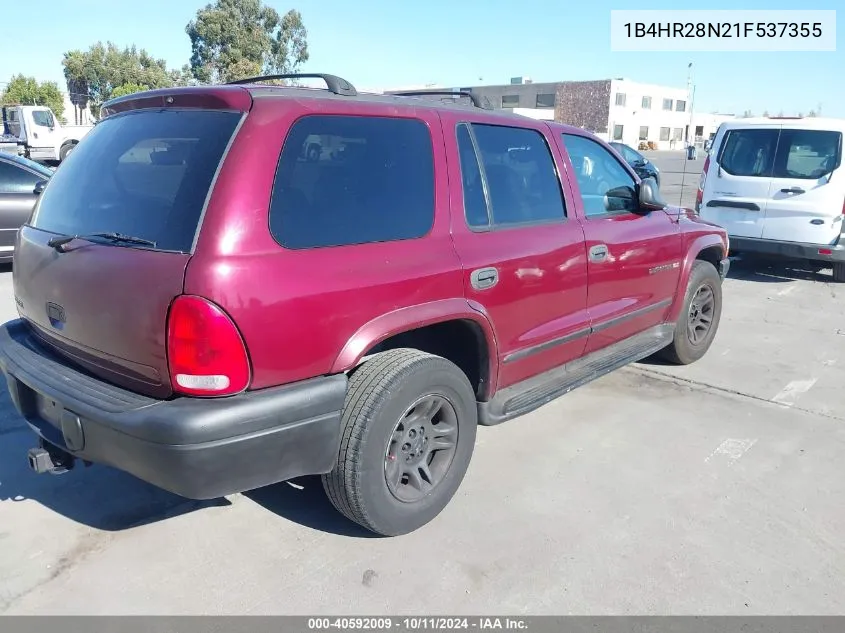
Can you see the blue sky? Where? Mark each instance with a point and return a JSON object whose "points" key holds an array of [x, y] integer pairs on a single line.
{"points": [[376, 43]]}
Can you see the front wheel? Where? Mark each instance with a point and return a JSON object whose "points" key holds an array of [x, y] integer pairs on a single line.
{"points": [[409, 426], [700, 315]]}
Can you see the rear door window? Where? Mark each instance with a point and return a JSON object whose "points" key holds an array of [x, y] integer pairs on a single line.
{"points": [[344, 180], [522, 185], [749, 152], [807, 154], [144, 173]]}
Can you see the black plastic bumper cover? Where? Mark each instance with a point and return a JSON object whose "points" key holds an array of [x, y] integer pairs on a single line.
{"points": [[790, 250], [197, 448], [724, 267]]}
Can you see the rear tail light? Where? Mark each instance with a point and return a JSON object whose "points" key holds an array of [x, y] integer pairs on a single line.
{"points": [[699, 195], [205, 352]]}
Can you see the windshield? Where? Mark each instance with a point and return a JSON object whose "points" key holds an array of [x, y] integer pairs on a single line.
{"points": [[144, 173]]}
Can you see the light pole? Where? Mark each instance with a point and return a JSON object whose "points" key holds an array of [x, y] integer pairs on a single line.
{"points": [[690, 97]]}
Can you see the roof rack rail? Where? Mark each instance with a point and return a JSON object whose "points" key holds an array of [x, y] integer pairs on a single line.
{"points": [[446, 93], [335, 84]]}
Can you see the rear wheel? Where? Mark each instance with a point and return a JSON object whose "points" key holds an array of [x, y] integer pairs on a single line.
{"points": [[702, 310], [409, 426], [839, 272]]}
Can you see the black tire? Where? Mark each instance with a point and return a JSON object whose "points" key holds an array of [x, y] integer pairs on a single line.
{"points": [[380, 392], [66, 149], [839, 272], [682, 350]]}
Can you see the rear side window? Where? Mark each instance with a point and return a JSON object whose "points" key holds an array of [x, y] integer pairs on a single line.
{"points": [[145, 173], [749, 152], [520, 184], [344, 180], [807, 154]]}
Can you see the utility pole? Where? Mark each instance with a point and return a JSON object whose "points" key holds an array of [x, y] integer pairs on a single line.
{"points": [[690, 98]]}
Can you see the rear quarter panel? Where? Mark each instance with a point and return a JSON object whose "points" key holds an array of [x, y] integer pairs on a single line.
{"points": [[304, 313]]}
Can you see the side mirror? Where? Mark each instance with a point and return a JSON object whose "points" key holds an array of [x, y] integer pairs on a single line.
{"points": [[39, 187], [649, 196]]}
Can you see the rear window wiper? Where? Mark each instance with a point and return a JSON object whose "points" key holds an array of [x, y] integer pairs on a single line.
{"points": [[60, 240]]}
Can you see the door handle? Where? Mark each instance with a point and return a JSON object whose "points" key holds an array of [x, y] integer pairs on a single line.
{"points": [[792, 190], [483, 278], [598, 253]]}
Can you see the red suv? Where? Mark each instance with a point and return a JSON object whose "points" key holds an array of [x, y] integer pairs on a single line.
{"points": [[230, 286]]}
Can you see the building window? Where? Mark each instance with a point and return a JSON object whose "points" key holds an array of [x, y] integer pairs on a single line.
{"points": [[620, 99], [664, 134], [680, 106], [679, 134], [510, 101], [667, 104], [644, 133], [617, 132], [699, 130], [546, 100], [646, 103]]}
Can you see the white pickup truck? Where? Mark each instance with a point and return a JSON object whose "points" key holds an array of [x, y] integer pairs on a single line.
{"points": [[40, 135]]}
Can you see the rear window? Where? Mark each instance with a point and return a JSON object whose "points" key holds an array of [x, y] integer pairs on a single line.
{"points": [[749, 152], [804, 154], [144, 173], [807, 154], [345, 180]]}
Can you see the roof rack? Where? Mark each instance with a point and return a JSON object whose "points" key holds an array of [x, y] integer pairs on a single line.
{"points": [[449, 93], [335, 84]]}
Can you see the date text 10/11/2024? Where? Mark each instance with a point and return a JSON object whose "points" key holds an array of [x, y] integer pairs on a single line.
{"points": [[416, 623]]}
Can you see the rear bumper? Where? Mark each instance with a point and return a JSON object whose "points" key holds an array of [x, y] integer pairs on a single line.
{"points": [[790, 250], [197, 448]]}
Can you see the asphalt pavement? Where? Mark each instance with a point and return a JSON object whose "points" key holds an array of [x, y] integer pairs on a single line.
{"points": [[715, 488]]}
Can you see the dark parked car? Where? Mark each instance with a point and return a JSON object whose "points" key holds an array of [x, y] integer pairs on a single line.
{"points": [[21, 181], [640, 164], [211, 304]]}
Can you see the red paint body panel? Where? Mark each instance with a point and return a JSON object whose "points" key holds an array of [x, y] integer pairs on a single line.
{"points": [[698, 235], [208, 97], [304, 313], [298, 309], [115, 302], [542, 290]]}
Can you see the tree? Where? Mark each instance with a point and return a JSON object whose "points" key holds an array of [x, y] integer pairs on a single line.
{"points": [[234, 39], [27, 91], [127, 89], [747, 114], [94, 74], [766, 113], [812, 114]]}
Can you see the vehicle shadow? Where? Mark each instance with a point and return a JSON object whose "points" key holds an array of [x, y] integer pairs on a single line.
{"points": [[772, 270], [99, 497], [303, 501], [108, 499]]}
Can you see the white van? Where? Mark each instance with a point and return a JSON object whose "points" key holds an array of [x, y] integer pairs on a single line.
{"points": [[778, 187]]}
